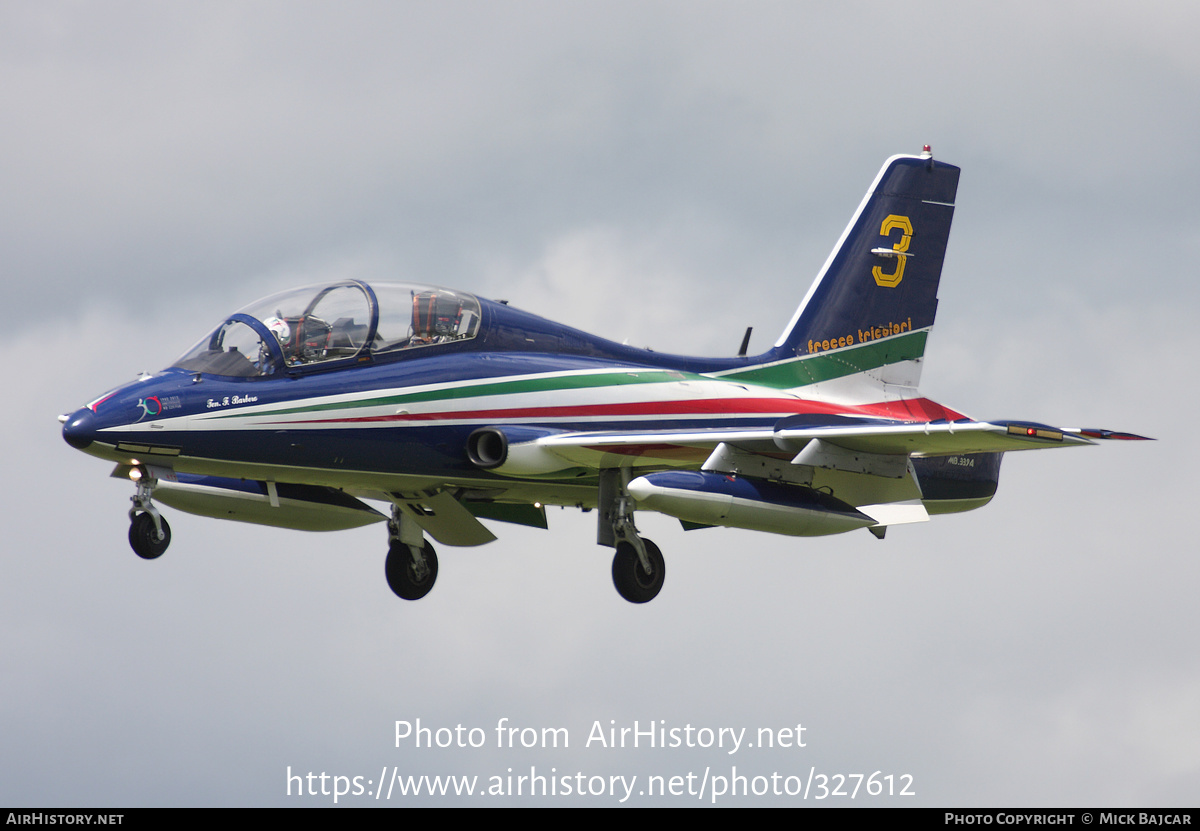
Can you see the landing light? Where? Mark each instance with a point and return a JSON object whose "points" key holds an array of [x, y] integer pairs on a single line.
{"points": [[135, 473]]}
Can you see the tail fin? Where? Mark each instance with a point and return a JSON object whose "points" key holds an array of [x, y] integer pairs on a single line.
{"points": [[875, 299]]}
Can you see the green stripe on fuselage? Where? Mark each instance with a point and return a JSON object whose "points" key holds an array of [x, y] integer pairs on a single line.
{"points": [[825, 366], [554, 383]]}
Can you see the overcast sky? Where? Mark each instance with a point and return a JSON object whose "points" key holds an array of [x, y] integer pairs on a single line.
{"points": [[667, 173]]}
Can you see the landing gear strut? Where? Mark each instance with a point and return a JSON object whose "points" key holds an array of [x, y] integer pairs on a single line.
{"points": [[149, 533], [412, 564], [638, 567]]}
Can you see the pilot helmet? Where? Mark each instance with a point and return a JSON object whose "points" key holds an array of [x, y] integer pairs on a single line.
{"points": [[280, 329]]}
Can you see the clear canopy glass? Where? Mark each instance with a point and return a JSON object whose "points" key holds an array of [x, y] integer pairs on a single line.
{"points": [[324, 324]]}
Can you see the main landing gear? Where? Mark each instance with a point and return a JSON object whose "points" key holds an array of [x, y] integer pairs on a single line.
{"points": [[412, 565], [638, 567], [149, 533], [638, 576]]}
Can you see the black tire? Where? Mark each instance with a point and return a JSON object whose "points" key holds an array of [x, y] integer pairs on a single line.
{"points": [[631, 580], [143, 537], [401, 573]]}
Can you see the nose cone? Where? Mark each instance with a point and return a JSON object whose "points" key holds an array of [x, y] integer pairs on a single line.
{"points": [[80, 429]]}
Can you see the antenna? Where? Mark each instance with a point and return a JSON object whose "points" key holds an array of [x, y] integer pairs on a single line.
{"points": [[745, 342]]}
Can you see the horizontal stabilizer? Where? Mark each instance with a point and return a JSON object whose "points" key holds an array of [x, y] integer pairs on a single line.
{"points": [[1095, 433], [933, 438]]}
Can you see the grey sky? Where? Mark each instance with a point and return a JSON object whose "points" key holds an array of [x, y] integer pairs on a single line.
{"points": [[668, 173]]}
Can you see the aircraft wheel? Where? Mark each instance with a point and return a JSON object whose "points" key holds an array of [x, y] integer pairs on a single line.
{"points": [[631, 580], [143, 537], [402, 574]]}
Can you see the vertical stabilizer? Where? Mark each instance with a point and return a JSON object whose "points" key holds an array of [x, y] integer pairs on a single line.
{"points": [[874, 301]]}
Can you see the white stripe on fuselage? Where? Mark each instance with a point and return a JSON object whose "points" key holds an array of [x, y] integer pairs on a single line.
{"points": [[674, 388]]}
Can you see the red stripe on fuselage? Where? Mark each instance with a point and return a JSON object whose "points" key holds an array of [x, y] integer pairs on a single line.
{"points": [[920, 409]]}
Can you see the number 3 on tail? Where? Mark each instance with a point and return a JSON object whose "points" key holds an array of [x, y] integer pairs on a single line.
{"points": [[891, 223]]}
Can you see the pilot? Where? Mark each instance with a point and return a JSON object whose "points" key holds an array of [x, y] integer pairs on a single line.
{"points": [[280, 329], [283, 333]]}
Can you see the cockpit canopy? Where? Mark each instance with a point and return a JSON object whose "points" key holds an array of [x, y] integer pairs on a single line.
{"points": [[326, 325]]}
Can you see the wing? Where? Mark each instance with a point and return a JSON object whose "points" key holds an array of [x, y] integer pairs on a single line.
{"points": [[870, 465], [880, 437]]}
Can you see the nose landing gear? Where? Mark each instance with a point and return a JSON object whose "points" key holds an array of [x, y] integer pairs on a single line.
{"points": [[149, 533], [411, 566], [411, 572]]}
